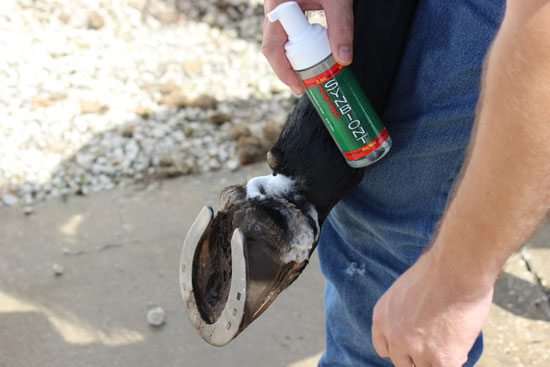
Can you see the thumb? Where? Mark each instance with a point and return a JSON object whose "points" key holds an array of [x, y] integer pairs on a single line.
{"points": [[339, 16]]}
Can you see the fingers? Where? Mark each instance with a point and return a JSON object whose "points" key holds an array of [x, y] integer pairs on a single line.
{"points": [[380, 343], [401, 359], [340, 29], [339, 16], [421, 363], [273, 43], [398, 358]]}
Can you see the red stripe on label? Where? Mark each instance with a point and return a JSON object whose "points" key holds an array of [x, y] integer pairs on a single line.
{"points": [[369, 147], [323, 77]]}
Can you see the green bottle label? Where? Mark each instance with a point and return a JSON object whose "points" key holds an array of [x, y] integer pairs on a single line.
{"points": [[346, 111]]}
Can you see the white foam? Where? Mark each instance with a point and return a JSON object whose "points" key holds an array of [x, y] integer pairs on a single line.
{"points": [[301, 244], [276, 186], [303, 239]]}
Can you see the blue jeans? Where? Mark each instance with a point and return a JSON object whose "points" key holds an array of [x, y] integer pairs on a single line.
{"points": [[378, 231]]}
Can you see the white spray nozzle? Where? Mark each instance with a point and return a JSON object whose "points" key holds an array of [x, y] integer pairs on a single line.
{"points": [[291, 17], [307, 43]]}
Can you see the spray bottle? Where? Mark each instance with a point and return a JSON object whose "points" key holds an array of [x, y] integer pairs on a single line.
{"points": [[332, 88]]}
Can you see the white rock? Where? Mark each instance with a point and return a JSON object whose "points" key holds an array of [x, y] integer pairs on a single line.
{"points": [[10, 199], [85, 160], [57, 270], [156, 316], [223, 155], [233, 165]]}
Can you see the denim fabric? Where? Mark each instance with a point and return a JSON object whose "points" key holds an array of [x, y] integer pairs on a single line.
{"points": [[375, 233]]}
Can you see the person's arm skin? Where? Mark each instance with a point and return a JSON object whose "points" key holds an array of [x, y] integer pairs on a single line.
{"points": [[339, 14], [433, 313]]}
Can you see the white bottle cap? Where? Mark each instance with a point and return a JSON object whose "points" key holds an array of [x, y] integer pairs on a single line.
{"points": [[307, 43]]}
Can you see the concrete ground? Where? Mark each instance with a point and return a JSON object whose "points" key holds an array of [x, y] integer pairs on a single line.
{"points": [[119, 252]]}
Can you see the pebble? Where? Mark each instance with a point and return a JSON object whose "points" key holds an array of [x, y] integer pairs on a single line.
{"points": [[166, 161], [188, 131], [92, 107], [95, 20], [57, 270], [205, 102], [270, 133], [156, 316], [175, 99], [169, 172], [219, 117], [237, 131], [233, 165], [28, 210], [46, 101], [142, 111], [250, 149], [64, 17], [95, 92], [127, 131]]}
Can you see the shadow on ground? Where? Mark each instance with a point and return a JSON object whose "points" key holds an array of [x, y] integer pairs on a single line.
{"points": [[119, 253], [522, 298]]}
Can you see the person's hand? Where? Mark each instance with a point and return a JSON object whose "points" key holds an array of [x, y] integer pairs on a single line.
{"points": [[339, 14], [425, 319]]}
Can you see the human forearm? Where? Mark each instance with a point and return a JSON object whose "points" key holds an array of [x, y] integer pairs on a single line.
{"points": [[505, 189]]}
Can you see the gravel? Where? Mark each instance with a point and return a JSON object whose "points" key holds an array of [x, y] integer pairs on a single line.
{"points": [[97, 94]]}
